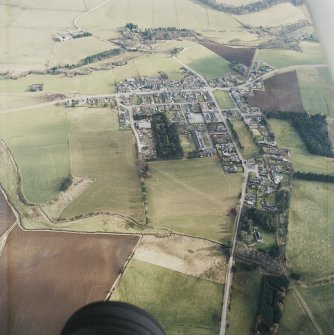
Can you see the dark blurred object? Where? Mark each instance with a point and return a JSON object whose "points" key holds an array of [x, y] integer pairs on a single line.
{"points": [[112, 318]]}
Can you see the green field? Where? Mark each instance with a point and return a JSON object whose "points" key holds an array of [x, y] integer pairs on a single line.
{"points": [[311, 54], [249, 148], [317, 90], [109, 157], [320, 300], [294, 320], [311, 232], [192, 197], [224, 100], [302, 160], [39, 142], [244, 302], [182, 304]]}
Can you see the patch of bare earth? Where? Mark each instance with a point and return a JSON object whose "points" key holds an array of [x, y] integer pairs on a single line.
{"points": [[7, 217]]}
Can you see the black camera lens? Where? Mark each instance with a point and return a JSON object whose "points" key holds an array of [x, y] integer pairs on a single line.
{"points": [[112, 318]]}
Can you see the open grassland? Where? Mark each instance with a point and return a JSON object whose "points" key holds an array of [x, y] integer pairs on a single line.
{"points": [[7, 217], [294, 320], [17, 100], [152, 14], [57, 267], [311, 230], [276, 16], [192, 197], [39, 142], [321, 303], [205, 62], [182, 304], [249, 148], [244, 302], [224, 100], [311, 53], [302, 160], [317, 90], [109, 158], [191, 256]]}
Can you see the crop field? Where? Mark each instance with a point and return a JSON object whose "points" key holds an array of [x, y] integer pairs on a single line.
{"points": [[224, 100], [236, 55], [281, 93], [39, 142], [287, 137], [311, 53], [109, 158], [317, 90], [7, 217], [294, 320], [193, 197], [311, 232], [57, 267], [168, 296], [249, 149], [244, 302], [321, 303], [187, 255]]}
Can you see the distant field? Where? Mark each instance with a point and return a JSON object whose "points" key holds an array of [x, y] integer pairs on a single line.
{"points": [[302, 160], [244, 302], [182, 304], [38, 139], [250, 149], [57, 267], [311, 54], [235, 3], [16, 100], [320, 301], [193, 197], [311, 232], [224, 100], [317, 90], [294, 320], [280, 15], [108, 157]]}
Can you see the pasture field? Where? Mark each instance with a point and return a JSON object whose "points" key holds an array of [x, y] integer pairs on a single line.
{"points": [[7, 217], [39, 142], [302, 160], [317, 90], [294, 320], [321, 303], [310, 54], [244, 302], [235, 3], [187, 255], [249, 149], [311, 232], [224, 100], [182, 304], [76, 268], [193, 197], [17, 100], [276, 16], [108, 157]]}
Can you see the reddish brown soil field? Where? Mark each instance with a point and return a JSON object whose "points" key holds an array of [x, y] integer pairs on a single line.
{"points": [[282, 94], [7, 217], [46, 276], [233, 55]]}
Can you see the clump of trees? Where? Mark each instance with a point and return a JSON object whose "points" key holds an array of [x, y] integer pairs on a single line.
{"points": [[312, 129], [258, 217], [82, 34], [66, 183], [270, 307], [101, 56], [282, 199], [166, 138]]}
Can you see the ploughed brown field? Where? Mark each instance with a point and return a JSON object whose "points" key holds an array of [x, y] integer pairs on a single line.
{"points": [[7, 217], [233, 55], [282, 94], [46, 276]]}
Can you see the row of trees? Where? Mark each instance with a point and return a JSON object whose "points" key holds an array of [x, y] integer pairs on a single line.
{"points": [[312, 129], [314, 177], [101, 56], [82, 34], [166, 138], [234, 133]]}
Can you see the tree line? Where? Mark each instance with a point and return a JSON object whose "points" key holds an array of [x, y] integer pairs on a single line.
{"points": [[313, 177], [166, 138], [312, 129], [101, 56]]}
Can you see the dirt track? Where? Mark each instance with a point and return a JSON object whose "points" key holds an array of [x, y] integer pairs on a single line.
{"points": [[46, 276]]}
